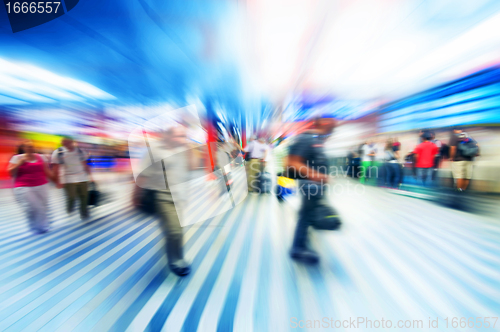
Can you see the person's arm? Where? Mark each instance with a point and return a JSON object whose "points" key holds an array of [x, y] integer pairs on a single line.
{"points": [[453, 146], [265, 154], [136, 194], [88, 170], [55, 168], [416, 154], [13, 167], [247, 147], [86, 166], [55, 174], [453, 151], [48, 172], [299, 166]]}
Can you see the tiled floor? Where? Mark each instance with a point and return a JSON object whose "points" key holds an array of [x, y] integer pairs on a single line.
{"points": [[396, 258]]}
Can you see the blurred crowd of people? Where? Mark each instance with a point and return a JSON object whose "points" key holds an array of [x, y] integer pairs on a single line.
{"points": [[67, 168], [381, 162], [169, 159]]}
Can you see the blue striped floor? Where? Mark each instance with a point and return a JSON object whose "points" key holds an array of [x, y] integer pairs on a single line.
{"points": [[396, 258]]}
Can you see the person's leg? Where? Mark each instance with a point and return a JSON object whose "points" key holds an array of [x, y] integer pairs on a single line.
{"points": [[40, 206], [465, 183], [300, 250], [436, 166], [83, 195], [424, 173], [262, 167], [388, 174], [249, 178], [70, 189], [363, 170], [468, 174], [31, 200], [372, 173], [420, 176], [459, 173], [430, 172], [379, 173], [255, 173], [361, 173], [251, 174], [397, 175], [300, 237], [169, 222], [401, 172], [24, 199]]}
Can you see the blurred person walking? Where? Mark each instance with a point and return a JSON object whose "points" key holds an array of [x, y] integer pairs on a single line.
{"points": [[396, 147], [257, 151], [352, 162], [379, 163], [285, 185], [425, 154], [437, 159], [463, 149], [154, 186], [30, 172], [224, 165], [368, 151], [307, 158], [75, 180], [392, 167]]}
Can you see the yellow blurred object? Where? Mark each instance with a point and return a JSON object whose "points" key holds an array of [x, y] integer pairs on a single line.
{"points": [[286, 182], [42, 140]]}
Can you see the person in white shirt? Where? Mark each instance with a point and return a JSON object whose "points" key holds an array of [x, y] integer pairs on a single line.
{"points": [[257, 150], [73, 162]]}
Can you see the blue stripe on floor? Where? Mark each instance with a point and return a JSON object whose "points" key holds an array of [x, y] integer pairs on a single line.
{"points": [[193, 317], [163, 312]]}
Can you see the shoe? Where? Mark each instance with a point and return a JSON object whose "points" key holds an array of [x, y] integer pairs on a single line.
{"points": [[306, 256], [180, 271]]}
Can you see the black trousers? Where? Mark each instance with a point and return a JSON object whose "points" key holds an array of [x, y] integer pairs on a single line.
{"points": [[309, 202]]}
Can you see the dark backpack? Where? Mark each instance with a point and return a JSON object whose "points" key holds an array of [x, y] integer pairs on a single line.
{"points": [[445, 151], [468, 148]]}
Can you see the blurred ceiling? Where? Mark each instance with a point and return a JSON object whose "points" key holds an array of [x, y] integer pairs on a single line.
{"points": [[242, 55]]}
